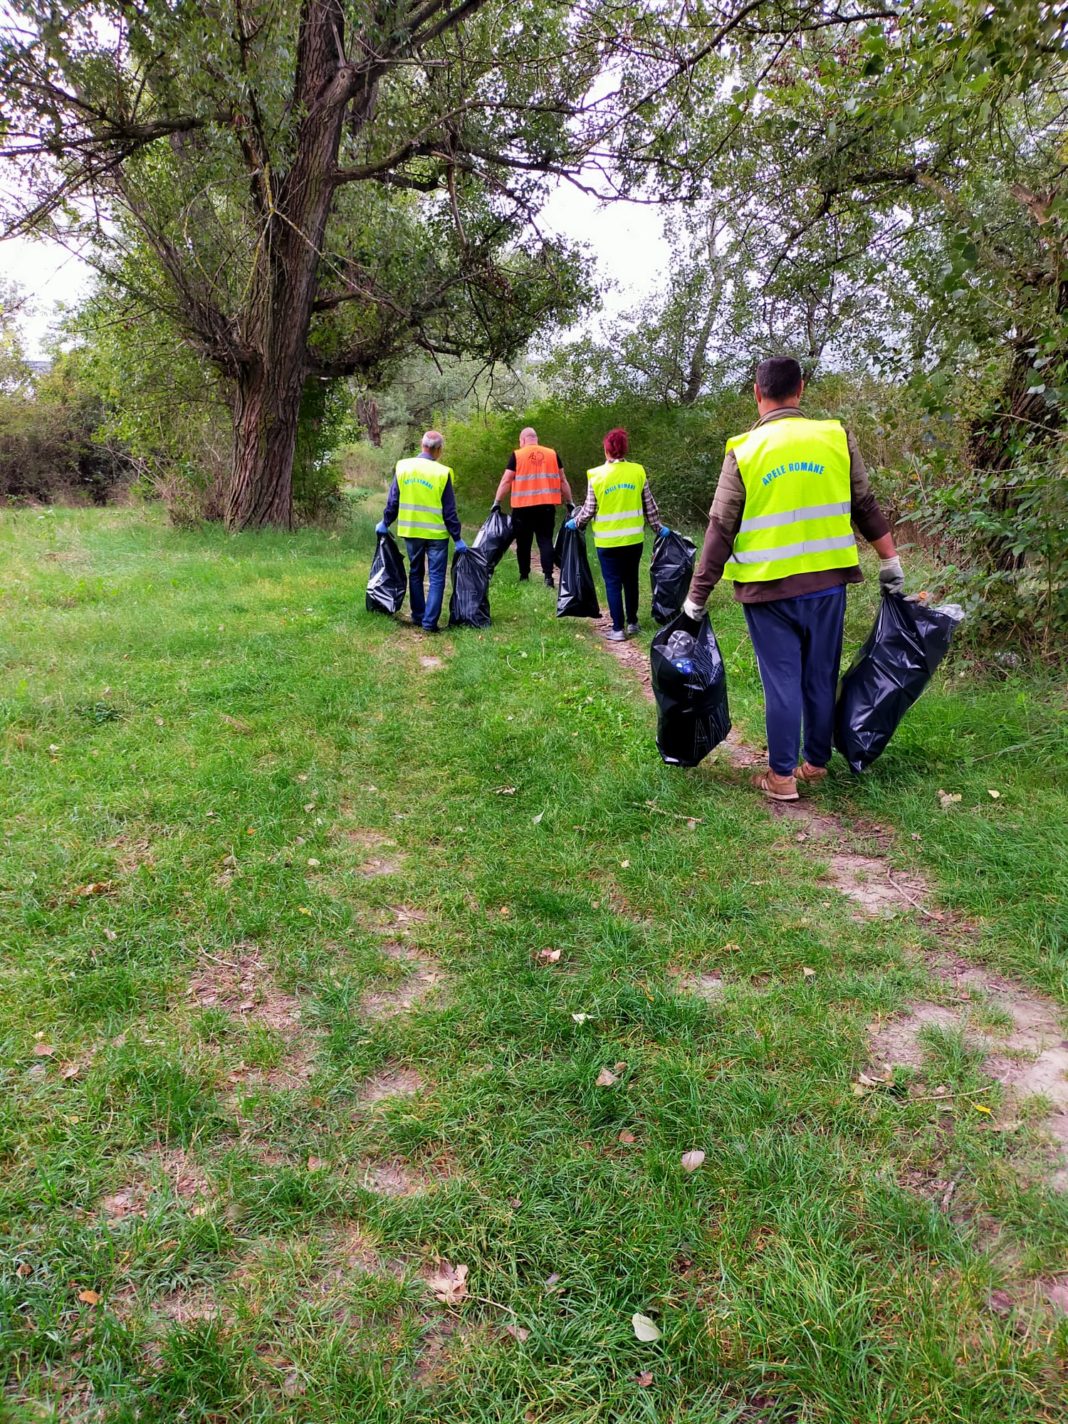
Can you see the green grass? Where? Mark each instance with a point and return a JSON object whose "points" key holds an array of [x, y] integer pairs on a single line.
{"points": [[187, 721]]}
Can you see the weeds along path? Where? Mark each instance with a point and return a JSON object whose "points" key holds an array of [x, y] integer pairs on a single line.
{"points": [[1018, 1037]]}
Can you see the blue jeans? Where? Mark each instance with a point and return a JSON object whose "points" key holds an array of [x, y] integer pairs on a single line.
{"points": [[619, 568], [434, 552], [798, 646]]}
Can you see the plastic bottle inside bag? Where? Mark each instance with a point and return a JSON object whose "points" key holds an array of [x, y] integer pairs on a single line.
{"points": [[679, 645]]}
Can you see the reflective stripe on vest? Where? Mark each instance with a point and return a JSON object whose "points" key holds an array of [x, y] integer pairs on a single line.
{"points": [[421, 484], [537, 477], [620, 517], [797, 500]]}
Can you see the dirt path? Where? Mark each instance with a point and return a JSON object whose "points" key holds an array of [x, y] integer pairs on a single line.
{"points": [[1027, 1056]]}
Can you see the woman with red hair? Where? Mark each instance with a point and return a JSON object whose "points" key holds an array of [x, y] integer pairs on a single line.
{"points": [[619, 501]]}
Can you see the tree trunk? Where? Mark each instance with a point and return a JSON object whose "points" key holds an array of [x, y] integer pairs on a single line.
{"points": [[283, 285]]}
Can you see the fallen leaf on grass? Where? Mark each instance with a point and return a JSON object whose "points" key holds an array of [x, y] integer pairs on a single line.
{"points": [[580, 1018], [644, 1328], [996, 795], [948, 798], [43, 1050], [982, 1108], [549, 956], [552, 1280], [314, 1164], [96, 887], [517, 1332], [110, 936], [23, 1270], [70, 1070], [449, 1283], [605, 1078], [537, 819], [504, 791], [692, 1160], [645, 1379], [807, 972], [90, 1297], [627, 1138], [235, 722], [313, 862], [625, 864]]}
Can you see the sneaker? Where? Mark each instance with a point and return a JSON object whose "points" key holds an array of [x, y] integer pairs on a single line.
{"points": [[549, 581], [633, 628], [615, 635], [807, 772], [776, 787]]}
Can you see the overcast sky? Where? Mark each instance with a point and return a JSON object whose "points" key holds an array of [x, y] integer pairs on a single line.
{"points": [[625, 238]]}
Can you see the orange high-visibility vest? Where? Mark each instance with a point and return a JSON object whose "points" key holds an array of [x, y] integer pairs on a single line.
{"points": [[537, 477]]}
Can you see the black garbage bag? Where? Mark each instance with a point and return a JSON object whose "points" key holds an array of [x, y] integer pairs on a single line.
{"points": [[893, 667], [494, 537], [577, 596], [469, 605], [388, 581], [669, 574], [690, 684]]}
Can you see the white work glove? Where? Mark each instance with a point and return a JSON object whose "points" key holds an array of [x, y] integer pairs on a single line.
{"points": [[692, 611], [891, 575]]}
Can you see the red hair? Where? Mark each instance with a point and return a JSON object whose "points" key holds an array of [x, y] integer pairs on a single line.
{"points": [[616, 443]]}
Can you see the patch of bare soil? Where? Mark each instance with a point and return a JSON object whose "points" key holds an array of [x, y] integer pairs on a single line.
{"points": [[379, 865], [706, 986], [391, 1083], [429, 662], [445, 1342], [183, 1177], [393, 1178], [242, 985], [424, 980]]}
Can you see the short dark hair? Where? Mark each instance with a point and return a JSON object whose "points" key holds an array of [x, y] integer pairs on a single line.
{"points": [[779, 377]]}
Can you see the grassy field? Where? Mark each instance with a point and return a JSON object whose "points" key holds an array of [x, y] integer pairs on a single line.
{"points": [[317, 936]]}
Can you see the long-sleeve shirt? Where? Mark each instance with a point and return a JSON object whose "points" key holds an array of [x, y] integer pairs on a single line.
{"points": [[448, 505], [583, 516], [725, 518]]}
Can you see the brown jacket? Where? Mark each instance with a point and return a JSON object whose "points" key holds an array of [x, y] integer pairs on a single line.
{"points": [[725, 518]]}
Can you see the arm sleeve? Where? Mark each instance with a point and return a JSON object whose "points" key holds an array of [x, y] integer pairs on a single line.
{"points": [[864, 507], [448, 510], [511, 463], [583, 516], [392, 503], [652, 513], [724, 520]]}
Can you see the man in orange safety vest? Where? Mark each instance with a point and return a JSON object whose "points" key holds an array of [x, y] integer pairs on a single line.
{"points": [[535, 481]]}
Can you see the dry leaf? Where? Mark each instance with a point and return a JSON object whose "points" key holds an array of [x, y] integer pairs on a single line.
{"points": [[580, 1018], [43, 1050], [248, 1004], [110, 936], [605, 1078], [995, 794], [303, 910], [982, 1108], [309, 806], [644, 1328], [313, 862], [645, 1379], [517, 1332], [551, 1281], [948, 798], [808, 973], [731, 949], [96, 887], [692, 1160], [23, 1270], [625, 864], [549, 956], [626, 1138], [620, 1067], [70, 1070], [537, 819], [314, 1164], [505, 911], [449, 1283], [505, 791], [90, 1297], [235, 722]]}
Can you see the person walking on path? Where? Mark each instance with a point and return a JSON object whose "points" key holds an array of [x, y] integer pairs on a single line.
{"points": [[619, 501], [780, 529], [535, 482], [423, 501]]}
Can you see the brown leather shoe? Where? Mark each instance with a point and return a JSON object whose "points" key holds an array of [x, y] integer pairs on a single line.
{"points": [[775, 787], [807, 772]]}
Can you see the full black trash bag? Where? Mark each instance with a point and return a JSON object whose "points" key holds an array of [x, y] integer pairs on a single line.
{"points": [[577, 596], [690, 684], [494, 537], [388, 581], [893, 667], [469, 605], [669, 574]]}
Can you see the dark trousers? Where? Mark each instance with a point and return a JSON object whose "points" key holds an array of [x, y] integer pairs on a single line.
{"points": [[619, 568], [534, 521], [435, 552], [798, 646]]}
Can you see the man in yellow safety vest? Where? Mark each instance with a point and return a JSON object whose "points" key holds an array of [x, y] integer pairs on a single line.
{"points": [[423, 501], [781, 529]]}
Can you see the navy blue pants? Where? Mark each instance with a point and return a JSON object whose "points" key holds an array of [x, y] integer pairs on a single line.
{"points": [[426, 608], [798, 646], [619, 568]]}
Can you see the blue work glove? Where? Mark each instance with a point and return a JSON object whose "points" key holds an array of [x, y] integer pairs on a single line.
{"points": [[461, 547], [570, 524], [662, 531], [381, 527]]}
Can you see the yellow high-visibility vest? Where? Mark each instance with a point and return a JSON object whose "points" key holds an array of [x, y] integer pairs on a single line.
{"points": [[620, 519], [421, 484], [797, 500]]}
